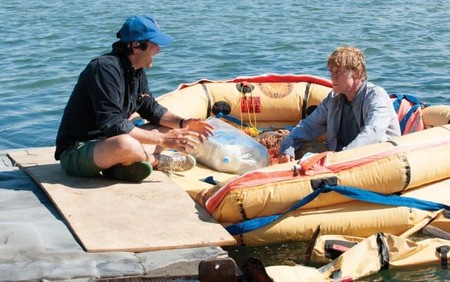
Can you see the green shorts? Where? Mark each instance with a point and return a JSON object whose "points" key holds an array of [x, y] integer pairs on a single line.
{"points": [[78, 160]]}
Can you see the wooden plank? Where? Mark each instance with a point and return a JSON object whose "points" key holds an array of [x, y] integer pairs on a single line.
{"points": [[106, 215]]}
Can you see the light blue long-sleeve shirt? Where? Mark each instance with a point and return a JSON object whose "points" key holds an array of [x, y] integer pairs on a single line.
{"points": [[375, 115]]}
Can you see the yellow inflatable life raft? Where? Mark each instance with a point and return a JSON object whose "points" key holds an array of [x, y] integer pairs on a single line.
{"points": [[416, 161]]}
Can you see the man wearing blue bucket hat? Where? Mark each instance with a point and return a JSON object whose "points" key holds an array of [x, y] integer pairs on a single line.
{"points": [[96, 134], [143, 28]]}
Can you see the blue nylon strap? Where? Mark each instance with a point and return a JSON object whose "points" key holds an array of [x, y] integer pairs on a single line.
{"points": [[412, 99], [351, 192], [251, 224], [258, 222], [390, 200], [396, 103], [399, 97], [406, 117]]}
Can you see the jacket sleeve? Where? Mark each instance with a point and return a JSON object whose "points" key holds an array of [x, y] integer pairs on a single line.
{"points": [[307, 129], [151, 110], [148, 107]]}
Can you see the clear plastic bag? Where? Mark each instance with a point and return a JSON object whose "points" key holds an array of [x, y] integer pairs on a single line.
{"points": [[231, 150]]}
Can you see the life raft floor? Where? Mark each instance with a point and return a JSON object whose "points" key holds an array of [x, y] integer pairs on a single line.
{"points": [[106, 215]]}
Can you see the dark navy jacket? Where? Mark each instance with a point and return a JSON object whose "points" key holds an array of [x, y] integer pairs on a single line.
{"points": [[108, 91]]}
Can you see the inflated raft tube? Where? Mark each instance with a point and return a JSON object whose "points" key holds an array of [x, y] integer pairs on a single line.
{"points": [[355, 218], [390, 167], [436, 115], [378, 252], [272, 100]]}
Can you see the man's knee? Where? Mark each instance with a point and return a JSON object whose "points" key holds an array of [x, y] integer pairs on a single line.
{"points": [[120, 149], [122, 143]]}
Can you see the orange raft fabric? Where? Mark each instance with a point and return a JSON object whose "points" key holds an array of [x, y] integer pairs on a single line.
{"points": [[407, 162]]}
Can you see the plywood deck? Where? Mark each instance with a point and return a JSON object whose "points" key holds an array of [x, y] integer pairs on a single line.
{"points": [[106, 215]]}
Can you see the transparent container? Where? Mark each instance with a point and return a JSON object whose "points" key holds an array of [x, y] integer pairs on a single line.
{"points": [[231, 150]]}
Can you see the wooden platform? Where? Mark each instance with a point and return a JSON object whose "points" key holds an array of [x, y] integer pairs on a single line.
{"points": [[106, 215]]}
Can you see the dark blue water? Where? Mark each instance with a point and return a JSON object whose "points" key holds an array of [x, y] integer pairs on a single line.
{"points": [[45, 44]]}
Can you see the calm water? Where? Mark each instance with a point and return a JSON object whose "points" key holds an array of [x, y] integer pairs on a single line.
{"points": [[45, 44]]}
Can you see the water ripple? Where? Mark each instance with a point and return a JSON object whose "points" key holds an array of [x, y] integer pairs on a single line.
{"points": [[406, 45]]}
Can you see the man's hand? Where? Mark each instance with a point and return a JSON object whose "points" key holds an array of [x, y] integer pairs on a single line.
{"points": [[199, 126], [180, 139], [285, 158]]}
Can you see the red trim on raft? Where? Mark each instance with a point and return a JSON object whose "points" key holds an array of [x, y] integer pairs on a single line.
{"points": [[253, 178], [267, 78]]}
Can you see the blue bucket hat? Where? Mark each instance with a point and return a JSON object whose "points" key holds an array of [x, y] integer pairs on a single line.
{"points": [[142, 28]]}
